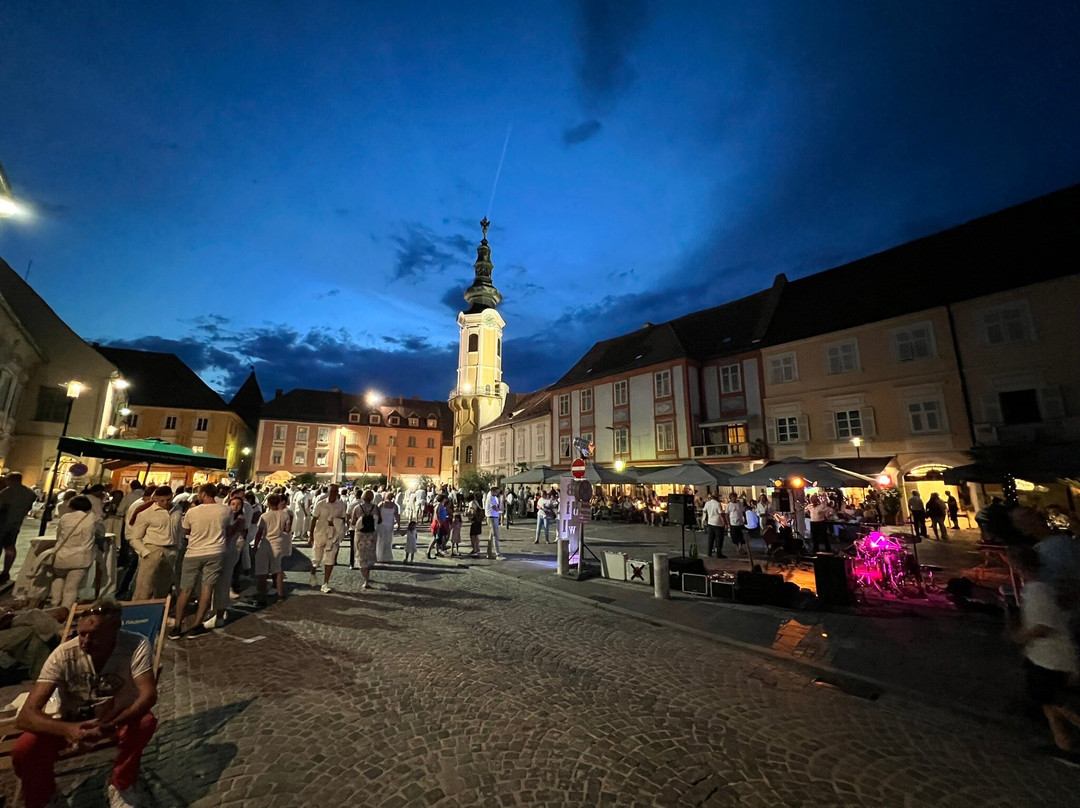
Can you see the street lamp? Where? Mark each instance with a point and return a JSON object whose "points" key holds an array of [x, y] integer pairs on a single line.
{"points": [[373, 399], [72, 392], [619, 465], [857, 442]]}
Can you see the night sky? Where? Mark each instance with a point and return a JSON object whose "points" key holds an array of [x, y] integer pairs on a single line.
{"points": [[298, 185]]}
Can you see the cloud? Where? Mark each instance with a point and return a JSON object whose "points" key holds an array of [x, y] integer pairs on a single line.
{"points": [[319, 358], [453, 299], [607, 30], [330, 293], [421, 251], [582, 132]]}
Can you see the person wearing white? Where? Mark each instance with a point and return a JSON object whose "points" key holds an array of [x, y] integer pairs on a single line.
{"points": [[155, 537], [714, 525], [327, 530], [272, 544], [76, 532], [206, 525], [301, 505], [545, 512], [736, 518], [390, 518], [493, 511]]}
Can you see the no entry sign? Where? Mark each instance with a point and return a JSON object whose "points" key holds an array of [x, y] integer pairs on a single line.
{"points": [[577, 468]]}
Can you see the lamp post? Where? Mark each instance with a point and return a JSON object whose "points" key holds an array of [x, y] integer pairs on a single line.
{"points": [[857, 443], [373, 400], [72, 392], [246, 452]]}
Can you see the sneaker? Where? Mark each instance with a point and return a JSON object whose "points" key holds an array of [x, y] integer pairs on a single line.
{"points": [[175, 633], [499, 557], [118, 798], [325, 588], [213, 622], [234, 595], [314, 581], [199, 631]]}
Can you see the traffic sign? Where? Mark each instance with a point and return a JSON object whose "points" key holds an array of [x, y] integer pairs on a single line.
{"points": [[577, 469]]}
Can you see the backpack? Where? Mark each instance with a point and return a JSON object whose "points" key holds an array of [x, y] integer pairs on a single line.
{"points": [[367, 521]]}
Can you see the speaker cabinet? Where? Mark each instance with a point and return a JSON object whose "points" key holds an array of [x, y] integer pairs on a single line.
{"points": [[680, 510]]}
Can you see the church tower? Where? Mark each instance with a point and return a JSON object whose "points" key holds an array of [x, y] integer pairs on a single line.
{"points": [[479, 395]]}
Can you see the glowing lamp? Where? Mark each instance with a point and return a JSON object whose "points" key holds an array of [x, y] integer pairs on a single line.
{"points": [[884, 480], [9, 207], [797, 482], [124, 412], [778, 483], [74, 388], [619, 465], [121, 384], [245, 451]]}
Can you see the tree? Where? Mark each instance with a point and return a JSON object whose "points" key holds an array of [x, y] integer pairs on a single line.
{"points": [[477, 481]]}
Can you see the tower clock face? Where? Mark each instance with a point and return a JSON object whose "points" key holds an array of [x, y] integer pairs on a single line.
{"points": [[489, 319]]}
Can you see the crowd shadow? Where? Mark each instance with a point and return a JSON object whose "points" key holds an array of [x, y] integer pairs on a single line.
{"points": [[179, 766]]}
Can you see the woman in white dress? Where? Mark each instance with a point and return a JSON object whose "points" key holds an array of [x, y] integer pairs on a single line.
{"points": [[384, 548], [76, 534]]}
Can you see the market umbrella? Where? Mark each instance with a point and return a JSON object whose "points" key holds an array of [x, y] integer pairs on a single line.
{"points": [[692, 472], [534, 476], [814, 472], [603, 475]]}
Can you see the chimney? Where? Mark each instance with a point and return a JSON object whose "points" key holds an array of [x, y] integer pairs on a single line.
{"points": [[277, 393], [768, 309]]}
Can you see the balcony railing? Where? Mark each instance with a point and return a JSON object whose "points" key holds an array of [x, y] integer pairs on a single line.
{"points": [[721, 450]]}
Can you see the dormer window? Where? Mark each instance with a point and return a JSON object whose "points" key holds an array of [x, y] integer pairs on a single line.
{"points": [[414, 422], [432, 423], [393, 420], [374, 418], [354, 417]]}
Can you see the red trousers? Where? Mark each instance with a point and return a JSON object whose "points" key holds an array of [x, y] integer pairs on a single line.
{"points": [[34, 759]]}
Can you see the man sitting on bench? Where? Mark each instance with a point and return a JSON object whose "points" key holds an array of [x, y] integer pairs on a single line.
{"points": [[105, 678]]}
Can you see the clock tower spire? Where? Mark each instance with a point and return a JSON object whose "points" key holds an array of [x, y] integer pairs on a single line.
{"points": [[479, 395]]}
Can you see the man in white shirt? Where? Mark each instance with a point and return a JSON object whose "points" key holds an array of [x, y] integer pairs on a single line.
{"points": [[713, 512], [106, 684], [493, 511], [327, 530], [545, 513], [301, 508], [736, 518], [155, 537], [821, 514], [205, 525]]}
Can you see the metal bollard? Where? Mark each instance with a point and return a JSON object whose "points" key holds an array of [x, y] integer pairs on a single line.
{"points": [[661, 576], [564, 558]]}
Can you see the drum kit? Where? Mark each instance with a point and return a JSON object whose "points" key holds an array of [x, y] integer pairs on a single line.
{"points": [[884, 564]]}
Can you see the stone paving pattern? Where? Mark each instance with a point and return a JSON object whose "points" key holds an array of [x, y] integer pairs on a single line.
{"points": [[443, 686]]}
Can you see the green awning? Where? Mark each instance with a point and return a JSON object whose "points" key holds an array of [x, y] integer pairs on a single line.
{"points": [[142, 450]]}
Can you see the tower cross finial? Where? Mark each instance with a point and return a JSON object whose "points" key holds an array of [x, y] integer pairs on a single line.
{"points": [[484, 225]]}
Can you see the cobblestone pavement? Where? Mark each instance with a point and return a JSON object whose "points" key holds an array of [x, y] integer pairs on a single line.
{"points": [[442, 686]]}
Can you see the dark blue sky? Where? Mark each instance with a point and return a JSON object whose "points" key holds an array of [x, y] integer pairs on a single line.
{"points": [[298, 185]]}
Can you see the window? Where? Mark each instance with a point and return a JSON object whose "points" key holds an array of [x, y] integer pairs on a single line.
{"points": [[374, 418], [410, 461], [843, 357], [324, 434], [502, 446], [170, 422], [429, 463], [564, 404], [411, 442], [322, 458], [587, 437], [431, 443], [782, 369], [350, 461], [301, 434], [474, 343], [665, 437], [468, 454], [52, 405], [848, 424], [133, 419], [734, 434], [485, 449], [498, 348], [354, 417], [281, 431], [372, 439], [541, 442], [787, 430], [519, 445], [414, 422], [198, 449], [914, 342], [730, 379], [586, 400], [662, 382], [621, 393], [622, 440], [1006, 325], [370, 460], [564, 446], [393, 420], [924, 416], [300, 457], [432, 423], [277, 457], [201, 424], [1020, 407]]}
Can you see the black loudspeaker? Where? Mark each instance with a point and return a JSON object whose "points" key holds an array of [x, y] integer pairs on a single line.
{"points": [[832, 580], [760, 588], [680, 510], [781, 501], [678, 566]]}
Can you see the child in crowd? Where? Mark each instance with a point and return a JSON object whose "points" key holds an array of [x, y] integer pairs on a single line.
{"points": [[455, 534], [410, 543]]}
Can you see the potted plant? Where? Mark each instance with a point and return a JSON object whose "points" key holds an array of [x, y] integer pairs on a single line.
{"points": [[890, 505]]}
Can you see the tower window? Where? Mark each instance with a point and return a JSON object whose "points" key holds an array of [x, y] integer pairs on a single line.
{"points": [[474, 343], [498, 348], [468, 454]]}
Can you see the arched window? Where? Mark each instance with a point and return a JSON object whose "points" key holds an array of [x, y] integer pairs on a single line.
{"points": [[468, 454], [498, 348], [487, 389], [474, 343]]}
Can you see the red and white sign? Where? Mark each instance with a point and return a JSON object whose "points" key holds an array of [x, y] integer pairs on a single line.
{"points": [[577, 468]]}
